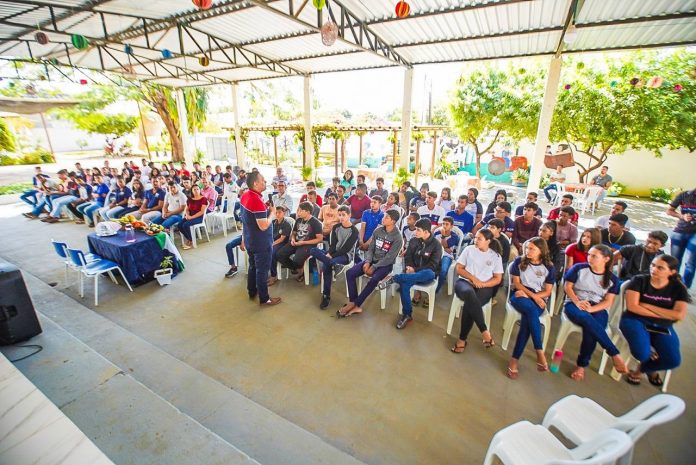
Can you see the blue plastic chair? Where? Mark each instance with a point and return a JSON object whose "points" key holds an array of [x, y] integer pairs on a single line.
{"points": [[94, 269], [61, 251]]}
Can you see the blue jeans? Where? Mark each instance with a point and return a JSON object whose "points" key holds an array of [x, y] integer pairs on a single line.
{"points": [[551, 187], [327, 267], [445, 264], [259, 265], [89, 211], [229, 248], [354, 274], [529, 324], [406, 281], [641, 343], [29, 197], [169, 222], [684, 250], [593, 331], [61, 202], [125, 211], [185, 226]]}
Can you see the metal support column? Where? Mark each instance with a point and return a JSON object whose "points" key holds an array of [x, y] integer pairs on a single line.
{"points": [[406, 119]]}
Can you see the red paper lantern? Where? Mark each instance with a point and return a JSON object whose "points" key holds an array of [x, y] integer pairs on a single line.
{"points": [[402, 9], [41, 38], [83, 82], [678, 88], [329, 33], [203, 4]]}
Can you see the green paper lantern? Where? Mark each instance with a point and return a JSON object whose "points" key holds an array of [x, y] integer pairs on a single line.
{"points": [[80, 42], [319, 4], [54, 61], [613, 83], [580, 65]]}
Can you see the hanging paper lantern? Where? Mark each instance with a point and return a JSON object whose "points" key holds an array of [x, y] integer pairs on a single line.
{"points": [[11, 84], [80, 42], [166, 53], [329, 33], [319, 4], [41, 38], [580, 65], [566, 87], [640, 83], [655, 82], [54, 61], [402, 9], [678, 87], [203, 4], [614, 83], [128, 49], [42, 77], [521, 71], [83, 82], [634, 81], [204, 61]]}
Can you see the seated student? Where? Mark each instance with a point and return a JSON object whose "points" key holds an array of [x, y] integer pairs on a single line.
{"points": [[30, 196], [604, 181], [408, 231], [282, 231], [473, 206], [379, 190], [421, 263], [418, 201], [533, 278], [566, 231], [615, 236], [193, 215], [151, 207], [335, 182], [566, 201], [635, 259], [358, 203], [360, 179], [378, 263], [619, 207], [461, 217], [312, 187], [496, 226], [120, 196], [186, 185], [370, 220], [99, 193], [135, 201], [449, 240], [500, 196], [430, 210], [406, 194], [173, 207], [590, 291], [556, 178], [526, 226], [328, 215], [577, 251], [341, 193], [305, 234], [445, 201], [209, 192], [392, 203], [348, 182], [278, 178], [311, 198], [342, 239], [502, 212], [85, 196], [654, 302], [531, 198], [71, 193], [480, 271]]}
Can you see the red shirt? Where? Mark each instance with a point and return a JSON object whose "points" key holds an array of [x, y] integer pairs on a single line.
{"points": [[553, 215], [577, 255], [304, 199], [358, 206], [194, 206]]}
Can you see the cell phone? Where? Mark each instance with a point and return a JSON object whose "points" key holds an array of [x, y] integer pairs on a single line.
{"points": [[658, 330]]}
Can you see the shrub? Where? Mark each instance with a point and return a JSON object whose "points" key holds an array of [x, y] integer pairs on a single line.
{"points": [[7, 160], [664, 194]]}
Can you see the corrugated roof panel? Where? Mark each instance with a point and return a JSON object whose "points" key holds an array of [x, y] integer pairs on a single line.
{"points": [[92, 27], [193, 65], [150, 8], [174, 82], [636, 34], [357, 60], [601, 10], [243, 73], [249, 24], [371, 9], [20, 49], [297, 47]]}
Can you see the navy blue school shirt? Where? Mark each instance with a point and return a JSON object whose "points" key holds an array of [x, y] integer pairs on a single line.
{"points": [[509, 223], [102, 190], [153, 198], [519, 211], [123, 194], [252, 208], [464, 221]]}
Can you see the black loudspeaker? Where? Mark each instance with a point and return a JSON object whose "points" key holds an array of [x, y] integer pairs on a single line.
{"points": [[18, 320]]}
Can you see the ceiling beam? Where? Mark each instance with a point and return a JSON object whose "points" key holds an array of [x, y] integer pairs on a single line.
{"points": [[570, 19]]}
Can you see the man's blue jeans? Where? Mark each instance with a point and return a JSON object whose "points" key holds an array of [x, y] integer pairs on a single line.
{"points": [[29, 197], [229, 248], [593, 331], [257, 280], [327, 267], [684, 250], [169, 221], [406, 281], [529, 324], [445, 264], [641, 343], [354, 274], [551, 187]]}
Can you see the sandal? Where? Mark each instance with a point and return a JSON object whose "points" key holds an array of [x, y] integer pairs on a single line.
{"points": [[542, 367], [489, 343], [633, 379], [353, 312], [457, 349], [512, 374], [655, 380], [578, 374]]}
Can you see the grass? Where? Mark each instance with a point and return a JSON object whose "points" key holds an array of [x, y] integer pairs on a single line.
{"points": [[15, 188]]}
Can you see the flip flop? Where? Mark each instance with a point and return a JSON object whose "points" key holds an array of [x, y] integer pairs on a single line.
{"points": [[458, 349], [512, 374], [489, 344], [352, 312], [578, 374], [655, 380], [634, 380], [542, 367]]}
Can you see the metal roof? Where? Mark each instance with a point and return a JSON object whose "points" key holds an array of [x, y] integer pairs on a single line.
{"points": [[260, 39]]}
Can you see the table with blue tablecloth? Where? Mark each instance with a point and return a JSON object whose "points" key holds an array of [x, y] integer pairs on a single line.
{"points": [[138, 260]]}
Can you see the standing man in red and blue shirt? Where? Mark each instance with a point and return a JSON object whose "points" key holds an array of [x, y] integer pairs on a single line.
{"points": [[257, 231]]}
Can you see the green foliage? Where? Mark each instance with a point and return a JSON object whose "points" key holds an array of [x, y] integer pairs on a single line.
{"points": [[98, 123], [7, 138], [199, 157], [196, 99], [319, 183], [616, 188], [36, 157], [417, 136], [272, 133], [520, 175], [664, 194], [166, 262], [444, 169], [402, 175], [306, 173], [15, 188], [545, 180], [8, 160]]}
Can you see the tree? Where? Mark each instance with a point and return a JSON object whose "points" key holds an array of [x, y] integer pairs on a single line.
{"points": [[600, 113], [7, 139], [489, 103]]}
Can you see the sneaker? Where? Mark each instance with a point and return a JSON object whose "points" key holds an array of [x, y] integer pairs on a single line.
{"points": [[233, 271], [403, 321], [325, 299], [386, 283]]}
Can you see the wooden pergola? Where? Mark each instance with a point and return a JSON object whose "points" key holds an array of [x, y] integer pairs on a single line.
{"points": [[360, 130]]}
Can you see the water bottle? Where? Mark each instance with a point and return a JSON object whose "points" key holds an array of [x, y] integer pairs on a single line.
{"points": [[556, 361], [315, 276], [130, 233]]}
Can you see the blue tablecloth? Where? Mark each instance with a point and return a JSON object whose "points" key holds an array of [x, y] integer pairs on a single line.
{"points": [[138, 259]]}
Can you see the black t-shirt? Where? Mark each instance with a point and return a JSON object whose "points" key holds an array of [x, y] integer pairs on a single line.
{"points": [[687, 201], [663, 298], [307, 230], [282, 229], [626, 238], [636, 261]]}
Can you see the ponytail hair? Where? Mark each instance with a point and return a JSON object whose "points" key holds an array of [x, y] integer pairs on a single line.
{"points": [[494, 244], [673, 264], [606, 253]]}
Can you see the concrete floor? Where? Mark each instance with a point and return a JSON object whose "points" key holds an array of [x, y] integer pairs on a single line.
{"points": [[381, 395]]}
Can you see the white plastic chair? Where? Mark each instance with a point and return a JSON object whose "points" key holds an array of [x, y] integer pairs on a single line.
{"points": [[560, 192], [512, 316], [526, 444], [588, 199], [429, 289], [580, 418], [223, 215], [453, 266], [196, 230], [456, 311]]}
